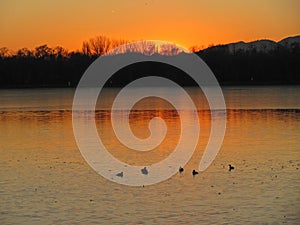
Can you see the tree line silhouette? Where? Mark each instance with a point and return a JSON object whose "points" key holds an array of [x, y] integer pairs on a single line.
{"points": [[56, 67]]}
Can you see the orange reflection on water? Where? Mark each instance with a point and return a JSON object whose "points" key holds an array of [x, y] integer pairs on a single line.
{"points": [[139, 122]]}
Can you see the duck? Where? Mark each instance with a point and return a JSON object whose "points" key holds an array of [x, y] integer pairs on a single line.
{"points": [[144, 171], [230, 167], [194, 172], [119, 174], [181, 170]]}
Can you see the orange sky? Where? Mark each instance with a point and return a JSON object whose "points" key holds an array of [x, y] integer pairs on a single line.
{"points": [[29, 23]]}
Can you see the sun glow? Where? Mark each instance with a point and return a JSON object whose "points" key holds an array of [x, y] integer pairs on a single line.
{"points": [[187, 23]]}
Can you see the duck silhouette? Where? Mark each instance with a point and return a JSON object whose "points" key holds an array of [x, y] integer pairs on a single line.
{"points": [[194, 172], [181, 170], [230, 167], [119, 174], [144, 171]]}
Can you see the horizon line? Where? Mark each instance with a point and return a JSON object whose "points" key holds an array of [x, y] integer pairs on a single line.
{"points": [[198, 46]]}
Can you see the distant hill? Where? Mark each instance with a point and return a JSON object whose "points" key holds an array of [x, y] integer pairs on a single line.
{"points": [[261, 45], [290, 42], [256, 62]]}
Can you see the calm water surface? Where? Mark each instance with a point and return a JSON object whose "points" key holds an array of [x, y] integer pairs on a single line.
{"points": [[45, 180]]}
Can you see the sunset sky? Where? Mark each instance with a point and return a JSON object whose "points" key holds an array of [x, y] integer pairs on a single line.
{"points": [[29, 23]]}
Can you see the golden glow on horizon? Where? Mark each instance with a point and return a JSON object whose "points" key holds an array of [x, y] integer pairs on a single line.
{"points": [[68, 23]]}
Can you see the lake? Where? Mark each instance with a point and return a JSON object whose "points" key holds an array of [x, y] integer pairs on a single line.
{"points": [[45, 180]]}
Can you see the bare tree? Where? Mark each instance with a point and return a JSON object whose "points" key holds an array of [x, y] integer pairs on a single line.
{"points": [[43, 51], [116, 43], [5, 52], [99, 45], [169, 49], [24, 52], [86, 50], [147, 47], [59, 51]]}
